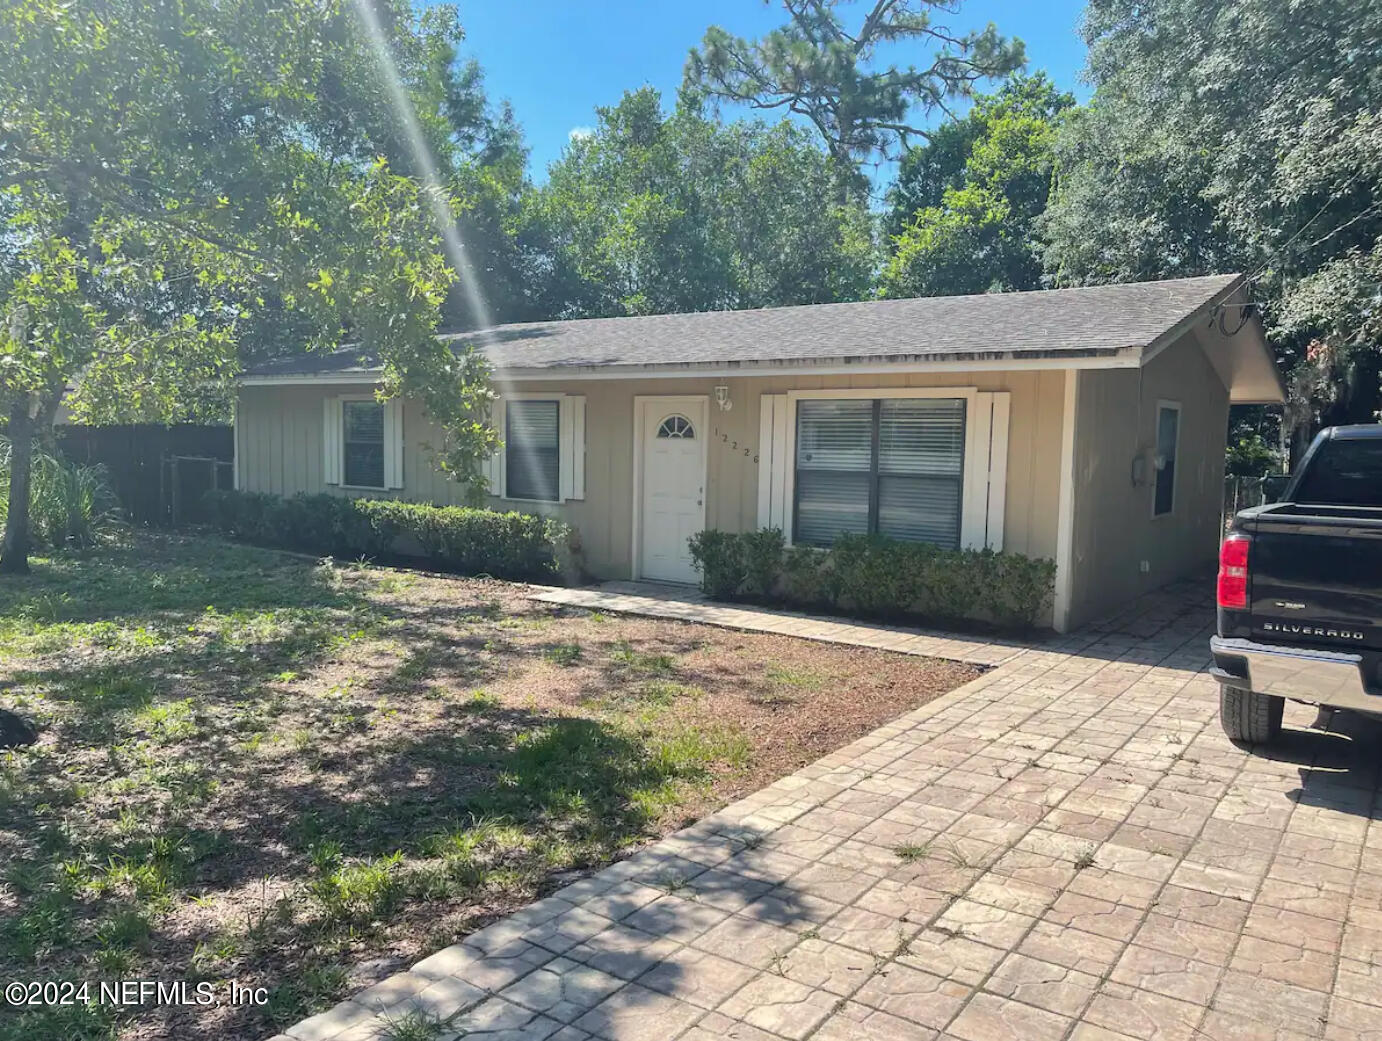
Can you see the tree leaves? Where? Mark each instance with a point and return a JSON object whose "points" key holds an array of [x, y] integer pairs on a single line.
{"points": [[966, 214], [659, 212], [1239, 135], [194, 181], [816, 68]]}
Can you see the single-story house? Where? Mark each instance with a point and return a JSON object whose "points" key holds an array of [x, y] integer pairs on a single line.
{"points": [[1084, 425]]}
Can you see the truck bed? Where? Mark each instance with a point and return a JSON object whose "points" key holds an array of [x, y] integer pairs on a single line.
{"points": [[1316, 577]]}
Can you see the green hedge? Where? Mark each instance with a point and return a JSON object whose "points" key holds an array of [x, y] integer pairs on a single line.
{"points": [[517, 546], [876, 577]]}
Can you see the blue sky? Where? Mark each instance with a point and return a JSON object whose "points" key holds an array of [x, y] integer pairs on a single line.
{"points": [[556, 60]]}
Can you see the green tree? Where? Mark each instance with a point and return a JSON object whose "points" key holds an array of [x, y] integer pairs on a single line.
{"points": [[173, 172], [1244, 134], [924, 174], [977, 198], [657, 212], [788, 242], [483, 160], [492, 193], [861, 105]]}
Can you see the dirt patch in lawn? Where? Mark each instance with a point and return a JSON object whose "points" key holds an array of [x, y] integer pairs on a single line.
{"points": [[303, 776]]}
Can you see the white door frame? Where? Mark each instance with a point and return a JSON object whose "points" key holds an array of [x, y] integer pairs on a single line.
{"points": [[701, 416]]}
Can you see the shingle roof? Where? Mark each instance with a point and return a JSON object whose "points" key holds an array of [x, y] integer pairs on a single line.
{"points": [[1083, 322]]}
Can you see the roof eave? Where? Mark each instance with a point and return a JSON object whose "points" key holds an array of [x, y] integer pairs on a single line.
{"points": [[1175, 332], [1096, 358]]}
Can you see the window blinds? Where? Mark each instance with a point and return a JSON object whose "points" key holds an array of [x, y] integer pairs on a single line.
{"points": [[532, 451], [890, 466]]}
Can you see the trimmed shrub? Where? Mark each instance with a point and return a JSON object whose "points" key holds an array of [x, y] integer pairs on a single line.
{"points": [[876, 577], [719, 557], [1010, 584], [474, 541], [327, 524], [516, 546], [762, 561], [806, 582], [879, 577]]}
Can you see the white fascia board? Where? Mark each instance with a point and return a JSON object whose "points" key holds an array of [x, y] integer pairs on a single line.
{"points": [[1124, 358], [350, 379], [1173, 334]]}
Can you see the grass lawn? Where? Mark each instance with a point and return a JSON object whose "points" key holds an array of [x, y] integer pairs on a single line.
{"points": [[304, 776]]}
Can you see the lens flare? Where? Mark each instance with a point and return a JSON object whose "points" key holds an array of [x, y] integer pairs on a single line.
{"points": [[432, 187]]}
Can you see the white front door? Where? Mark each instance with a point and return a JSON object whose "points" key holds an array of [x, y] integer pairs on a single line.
{"points": [[672, 496]]}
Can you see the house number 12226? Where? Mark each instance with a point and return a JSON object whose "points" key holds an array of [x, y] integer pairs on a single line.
{"points": [[734, 445]]}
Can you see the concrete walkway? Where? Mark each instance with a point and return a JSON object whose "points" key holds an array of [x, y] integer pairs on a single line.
{"points": [[1066, 848]]}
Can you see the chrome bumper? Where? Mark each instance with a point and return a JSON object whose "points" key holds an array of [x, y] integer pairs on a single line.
{"points": [[1319, 677]]}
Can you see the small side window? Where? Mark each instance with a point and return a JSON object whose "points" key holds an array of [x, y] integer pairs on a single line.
{"points": [[532, 451], [364, 443], [1167, 446]]}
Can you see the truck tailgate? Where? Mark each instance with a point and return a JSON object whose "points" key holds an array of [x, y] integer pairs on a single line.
{"points": [[1316, 576]]}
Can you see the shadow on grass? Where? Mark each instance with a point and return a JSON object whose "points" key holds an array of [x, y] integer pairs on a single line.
{"points": [[474, 815], [145, 579], [483, 816], [583, 783], [154, 794]]}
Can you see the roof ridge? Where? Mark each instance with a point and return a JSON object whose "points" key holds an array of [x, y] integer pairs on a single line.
{"points": [[1226, 278]]}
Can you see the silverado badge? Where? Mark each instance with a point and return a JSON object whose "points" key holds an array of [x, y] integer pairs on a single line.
{"points": [[1299, 629]]}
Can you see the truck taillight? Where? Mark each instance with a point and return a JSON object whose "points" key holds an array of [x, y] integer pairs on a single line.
{"points": [[1233, 571]]}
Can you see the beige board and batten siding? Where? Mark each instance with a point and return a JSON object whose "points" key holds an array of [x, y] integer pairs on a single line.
{"points": [[279, 437], [1114, 527]]}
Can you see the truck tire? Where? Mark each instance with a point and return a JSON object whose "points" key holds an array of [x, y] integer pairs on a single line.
{"points": [[1249, 718]]}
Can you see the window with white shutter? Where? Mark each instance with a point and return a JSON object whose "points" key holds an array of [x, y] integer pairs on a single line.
{"points": [[532, 450], [362, 442], [886, 466], [542, 455], [921, 469], [834, 470]]}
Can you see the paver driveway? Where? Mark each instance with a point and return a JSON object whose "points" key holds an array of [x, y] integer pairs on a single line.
{"points": [[1067, 847]]}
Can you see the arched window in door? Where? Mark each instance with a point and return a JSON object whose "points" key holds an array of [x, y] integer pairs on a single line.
{"points": [[676, 426]]}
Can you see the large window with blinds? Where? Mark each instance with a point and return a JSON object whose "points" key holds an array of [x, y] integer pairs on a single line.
{"points": [[885, 466], [532, 456]]}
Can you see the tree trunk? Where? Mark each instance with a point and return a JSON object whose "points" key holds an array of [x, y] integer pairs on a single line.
{"points": [[45, 423], [14, 550]]}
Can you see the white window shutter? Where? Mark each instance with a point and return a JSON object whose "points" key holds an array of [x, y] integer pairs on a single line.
{"points": [[332, 435], [571, 441], [997, 471], [986, 473], [493, 467], [774, 460], [393, 443]]}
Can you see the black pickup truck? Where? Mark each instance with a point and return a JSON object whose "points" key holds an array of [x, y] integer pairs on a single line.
{"points": [[1300, 591]]}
